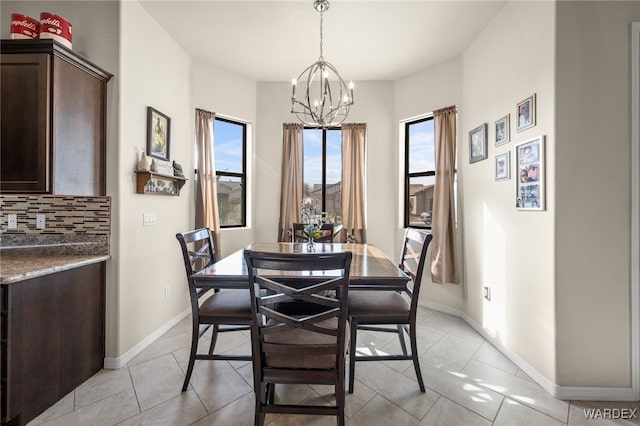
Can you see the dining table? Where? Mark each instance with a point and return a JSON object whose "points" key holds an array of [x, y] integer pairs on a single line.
{"points": [[370, 268]]}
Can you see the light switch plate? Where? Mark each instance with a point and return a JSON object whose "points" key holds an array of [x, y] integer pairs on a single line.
{"points": [[149, 219]]}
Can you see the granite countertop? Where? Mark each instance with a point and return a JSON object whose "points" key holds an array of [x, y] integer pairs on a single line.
{"points": [[16, 266]]}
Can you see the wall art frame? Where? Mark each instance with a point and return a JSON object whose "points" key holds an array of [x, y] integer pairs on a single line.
{"points": [[503, 166], [526, 113], [530, 181], [503, 130], [158, 134], [478, 143]]}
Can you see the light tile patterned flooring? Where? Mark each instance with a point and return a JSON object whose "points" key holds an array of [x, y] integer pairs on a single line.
{"points": [[468, 382]]}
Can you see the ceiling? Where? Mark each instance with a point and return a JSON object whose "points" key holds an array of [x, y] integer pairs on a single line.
{"points": [[273, 40]]}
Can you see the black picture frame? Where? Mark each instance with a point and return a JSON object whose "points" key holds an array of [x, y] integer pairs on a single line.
{"points": [[158, 134]]}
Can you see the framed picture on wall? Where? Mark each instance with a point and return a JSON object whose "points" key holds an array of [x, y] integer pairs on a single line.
{"points": [[503, 166], [531, 175], [526, 113], [158, 134], [478, 143], [503, 132]]}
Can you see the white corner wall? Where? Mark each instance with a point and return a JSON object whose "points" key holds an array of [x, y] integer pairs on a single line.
{"points": [[510, 251], [593, 196], [155, 72]]}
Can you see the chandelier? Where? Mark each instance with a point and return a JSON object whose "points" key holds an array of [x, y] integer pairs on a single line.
{"points": [[325, 98]]}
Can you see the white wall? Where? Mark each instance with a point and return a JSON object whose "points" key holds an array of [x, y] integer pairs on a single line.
{"points": [[155, 72], [229, 95], [511, 251], [593, 187]]}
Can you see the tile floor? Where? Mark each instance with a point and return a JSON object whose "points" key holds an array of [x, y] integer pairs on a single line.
{"points": [[468, 382]]}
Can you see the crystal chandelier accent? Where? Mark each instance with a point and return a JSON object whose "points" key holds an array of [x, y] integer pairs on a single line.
{"points": [[325, 98]]}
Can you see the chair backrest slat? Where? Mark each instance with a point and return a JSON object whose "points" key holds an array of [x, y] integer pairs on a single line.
{"points": [[198, 250], [290, 295], [413, 257]]}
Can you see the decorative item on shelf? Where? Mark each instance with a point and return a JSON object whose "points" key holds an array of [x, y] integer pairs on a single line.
{"points": [[143, 164], [155, 183], [154, 166], [55, 27], [177, 170], [164, 167], [333, 99], [24, 27]]}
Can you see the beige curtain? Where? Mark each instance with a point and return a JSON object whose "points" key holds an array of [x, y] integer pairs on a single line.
{"points": [[206, 194], [444, 263], [353, 163], [291, 181]]}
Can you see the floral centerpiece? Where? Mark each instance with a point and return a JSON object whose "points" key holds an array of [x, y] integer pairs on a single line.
{"points": [[310, 219]]}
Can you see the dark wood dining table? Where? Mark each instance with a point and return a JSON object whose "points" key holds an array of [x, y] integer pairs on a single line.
{"points": [[370, 269]]}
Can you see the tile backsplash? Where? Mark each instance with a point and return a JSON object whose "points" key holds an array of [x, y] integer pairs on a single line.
{"points": [[79, 221]]}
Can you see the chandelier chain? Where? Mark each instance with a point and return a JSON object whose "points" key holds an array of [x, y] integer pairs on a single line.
{"points": [[321, 36]]}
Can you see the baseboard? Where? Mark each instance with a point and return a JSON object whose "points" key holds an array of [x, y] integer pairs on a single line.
{"points": [[560, 392], [122, 360]]}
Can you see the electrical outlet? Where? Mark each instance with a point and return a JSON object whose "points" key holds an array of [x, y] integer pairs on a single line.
{"points": [[149, 219], [167, 292], [12, 221], [487, 293], [40, 221]]}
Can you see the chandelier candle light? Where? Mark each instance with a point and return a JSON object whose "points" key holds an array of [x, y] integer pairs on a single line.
{"points": [[334, 98]]}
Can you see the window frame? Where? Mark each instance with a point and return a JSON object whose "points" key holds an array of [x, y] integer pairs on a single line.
{"points": [[408, 175], [324, 161], [242, 176]]}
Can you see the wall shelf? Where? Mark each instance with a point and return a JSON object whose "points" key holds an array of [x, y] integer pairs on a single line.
{"points": [[156, 183]]}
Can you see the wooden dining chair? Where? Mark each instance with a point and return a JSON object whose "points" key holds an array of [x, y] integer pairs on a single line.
{"points": [[299, 236], [299, 332], [223, 310], [377, 310]]}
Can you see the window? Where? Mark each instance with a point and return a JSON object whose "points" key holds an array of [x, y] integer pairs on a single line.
{"points": [[420, 172], [322, 171], [229, 145]]}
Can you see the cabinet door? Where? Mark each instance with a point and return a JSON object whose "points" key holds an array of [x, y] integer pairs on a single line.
{"points": [[24, 116], [78, 130]]}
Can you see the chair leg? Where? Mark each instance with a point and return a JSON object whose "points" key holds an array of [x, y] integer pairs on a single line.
{"points": [[340, 397], [414, 355], [192, 355], [214, 338], [401, 337], [260, 396], [352, 353]]}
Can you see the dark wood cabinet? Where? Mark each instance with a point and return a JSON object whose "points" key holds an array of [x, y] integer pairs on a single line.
{"points": [[52, 119], [52, 339]]}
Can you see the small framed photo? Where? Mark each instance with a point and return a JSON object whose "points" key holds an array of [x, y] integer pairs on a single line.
{"points": [[503, 131], [526, 113], [503, 166], [478, 143], [158, 134], [531, 174]]}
